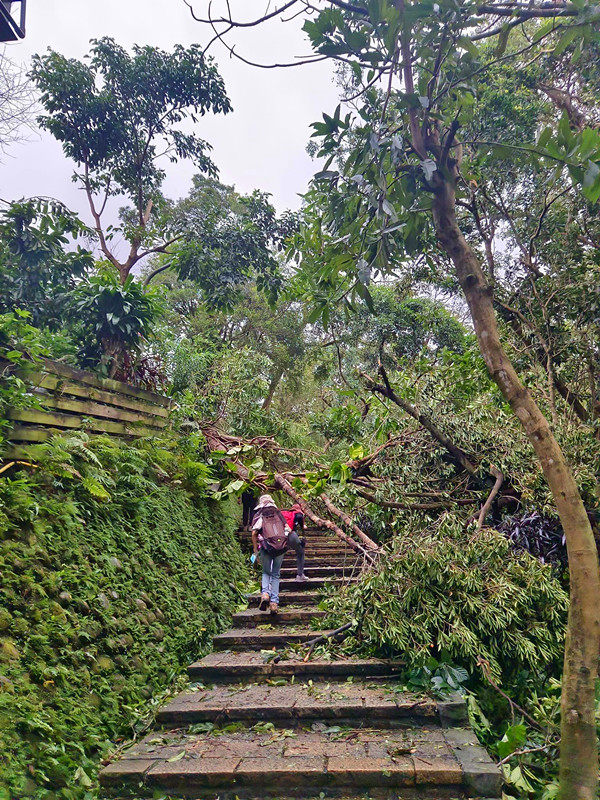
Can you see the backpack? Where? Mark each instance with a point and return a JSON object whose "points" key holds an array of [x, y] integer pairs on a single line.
{"points": [[274, 535]]}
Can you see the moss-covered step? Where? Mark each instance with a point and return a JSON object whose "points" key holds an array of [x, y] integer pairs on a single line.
{"points": [[232, 667], [295, 703], [262, 638], [424, 763], [286, 616]]}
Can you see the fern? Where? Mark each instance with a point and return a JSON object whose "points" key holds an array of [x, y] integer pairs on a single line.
{"points": [[95, 488]]}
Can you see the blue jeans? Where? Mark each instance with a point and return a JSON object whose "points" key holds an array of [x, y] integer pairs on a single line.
{"points": [[270, 576]]}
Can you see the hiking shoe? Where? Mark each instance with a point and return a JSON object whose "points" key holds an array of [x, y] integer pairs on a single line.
{"points": [[273, 608], [301, 578], [264, 601]]}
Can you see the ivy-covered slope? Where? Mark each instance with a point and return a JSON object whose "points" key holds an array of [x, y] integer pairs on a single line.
{"points": [[114, 575]]}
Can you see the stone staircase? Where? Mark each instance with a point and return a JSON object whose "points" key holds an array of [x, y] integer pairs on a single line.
{"points": [[260, 724]]}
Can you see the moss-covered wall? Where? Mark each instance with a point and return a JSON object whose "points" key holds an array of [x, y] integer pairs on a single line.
{"points": [[102, 605]]}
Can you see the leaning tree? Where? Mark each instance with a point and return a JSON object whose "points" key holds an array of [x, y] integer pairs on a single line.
{"points": [[401, 167]]}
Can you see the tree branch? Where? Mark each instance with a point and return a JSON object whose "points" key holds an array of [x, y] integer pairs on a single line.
{"points": [[412, 506], [157, 271], [523, 12], [488, 503], [458, 456]]}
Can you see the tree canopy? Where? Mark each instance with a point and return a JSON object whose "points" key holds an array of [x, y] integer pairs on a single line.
{"points": [[117, 116]]}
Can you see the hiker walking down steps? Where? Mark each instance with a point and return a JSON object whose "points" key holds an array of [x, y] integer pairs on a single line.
{"points": [[270, 534]]}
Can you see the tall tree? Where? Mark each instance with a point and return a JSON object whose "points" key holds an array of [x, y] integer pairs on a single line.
{"points": [[393, 186], [117, 116], [227, 241]]}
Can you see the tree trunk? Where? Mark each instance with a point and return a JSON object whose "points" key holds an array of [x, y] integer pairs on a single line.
{"points": [[578, 753], [277, 376], [112, 356]]}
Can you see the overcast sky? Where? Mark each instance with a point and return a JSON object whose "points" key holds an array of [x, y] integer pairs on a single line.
{"points": [[260, 145]]}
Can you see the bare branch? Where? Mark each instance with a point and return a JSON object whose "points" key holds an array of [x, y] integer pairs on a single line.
{"points": [[233, 24], [488, 503]]}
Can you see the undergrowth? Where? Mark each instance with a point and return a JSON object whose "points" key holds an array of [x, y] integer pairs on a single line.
{"points": [[115, 573]]}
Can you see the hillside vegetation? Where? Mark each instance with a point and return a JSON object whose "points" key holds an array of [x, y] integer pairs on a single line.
{"points": [[115, 575]]}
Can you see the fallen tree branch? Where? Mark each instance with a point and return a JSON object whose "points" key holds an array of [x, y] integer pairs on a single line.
{"points": [[413, 506], [459, 457], [217, 440], [530, 750], [324, 637], [488, 503], [359, 465], [347, 520], [282, 483]]}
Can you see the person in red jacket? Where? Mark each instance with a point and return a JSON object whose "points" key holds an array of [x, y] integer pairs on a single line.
{"points": [[295, 520]]}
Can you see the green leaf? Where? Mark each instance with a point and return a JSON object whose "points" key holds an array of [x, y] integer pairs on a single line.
{"points": [[178, 757], [502, 41], [466, 44], [590, 143], [356, 451], [544, 30], [514, 737], [565, 40], [545, 137], [591, 182]]}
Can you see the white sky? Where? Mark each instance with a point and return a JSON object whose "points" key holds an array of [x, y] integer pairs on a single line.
{"points": [[260, 145]]}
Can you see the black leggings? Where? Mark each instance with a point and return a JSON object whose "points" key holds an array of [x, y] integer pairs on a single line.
{"points": [[296, 544]]}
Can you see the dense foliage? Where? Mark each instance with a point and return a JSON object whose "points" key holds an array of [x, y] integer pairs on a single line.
{"points": [[464, 597], [116, 572]]}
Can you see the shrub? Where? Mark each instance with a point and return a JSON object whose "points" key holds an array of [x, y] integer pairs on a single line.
{"points": [[460, 596]]}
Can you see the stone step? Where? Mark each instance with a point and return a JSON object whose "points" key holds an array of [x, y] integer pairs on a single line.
{"points": [[312, 563], [286, 598], [296, 703], [323, 572], [231, 667], [322, 560], [290, 584], [323, 552], [427, 763], [330, 543], [293, 616], [325, 538], [262, 639]]}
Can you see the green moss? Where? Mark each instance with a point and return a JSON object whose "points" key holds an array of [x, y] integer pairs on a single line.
{"points": [[103, 605]]}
